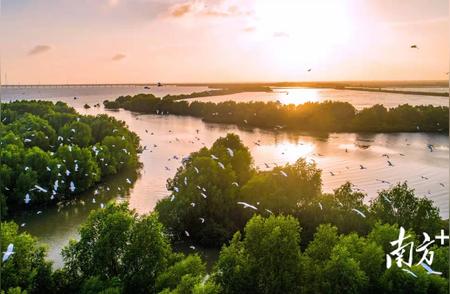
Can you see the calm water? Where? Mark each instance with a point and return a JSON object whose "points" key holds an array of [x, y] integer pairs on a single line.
{"points": [[174, 135], [359, 99]]}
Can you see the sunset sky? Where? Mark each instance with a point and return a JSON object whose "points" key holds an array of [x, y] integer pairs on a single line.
{"points": [[115, 41]]}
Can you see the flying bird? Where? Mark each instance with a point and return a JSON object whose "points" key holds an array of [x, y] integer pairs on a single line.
{"points": [[72, 187], [40, 188], [27, 198], [247, 205], [359, 212], [409, 272], [9, 251]]}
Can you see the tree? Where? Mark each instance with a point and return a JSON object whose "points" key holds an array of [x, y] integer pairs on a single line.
{"points": [[26, 267], [183, 274], [76, 133], [116, 243], [142, 269], [266, 260], [395, 280], [205, 193], [399, 205], [102, 245], [283, 189]]}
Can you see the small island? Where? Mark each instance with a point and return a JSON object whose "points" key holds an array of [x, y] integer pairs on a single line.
{"points": [[50, 153], [328, 116]]}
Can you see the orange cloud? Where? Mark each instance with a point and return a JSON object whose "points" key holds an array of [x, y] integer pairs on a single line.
{"points": [[200, 8], [180, 9]]}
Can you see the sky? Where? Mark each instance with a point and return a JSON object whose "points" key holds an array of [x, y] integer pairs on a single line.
{"points": [[184, 41]]}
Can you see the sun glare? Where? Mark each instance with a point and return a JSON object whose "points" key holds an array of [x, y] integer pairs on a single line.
{"points": [[303, 31], [299, 96]]}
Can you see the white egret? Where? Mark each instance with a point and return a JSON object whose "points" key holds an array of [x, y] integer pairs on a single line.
{"points": [[40, 188], [27, 198], [359, 212], [72, 186], [247, 205], [409, 272], [9, 251]]}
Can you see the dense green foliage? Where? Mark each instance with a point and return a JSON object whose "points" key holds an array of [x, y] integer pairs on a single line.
{"points": [[50, 146], [203, 207], [27, 267], [327, 116], [295, 239], [117, 252], [204, 196]]}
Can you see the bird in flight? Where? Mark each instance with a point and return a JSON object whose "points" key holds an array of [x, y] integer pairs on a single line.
{"points": [[359, 212], [247, 205], [414, 46], [9, 251]]}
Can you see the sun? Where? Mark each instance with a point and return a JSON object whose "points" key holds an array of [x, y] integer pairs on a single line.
{"points": [[303, 32]]}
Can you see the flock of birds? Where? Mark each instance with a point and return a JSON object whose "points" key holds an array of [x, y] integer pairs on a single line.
{"points": [[202, 191]]}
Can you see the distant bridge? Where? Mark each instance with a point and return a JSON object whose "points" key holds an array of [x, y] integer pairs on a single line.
{"points": [[78, 85]]}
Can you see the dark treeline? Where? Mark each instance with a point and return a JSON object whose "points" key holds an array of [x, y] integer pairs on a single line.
{"points": [[295, 239], [323, 117], [49, 152]]}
